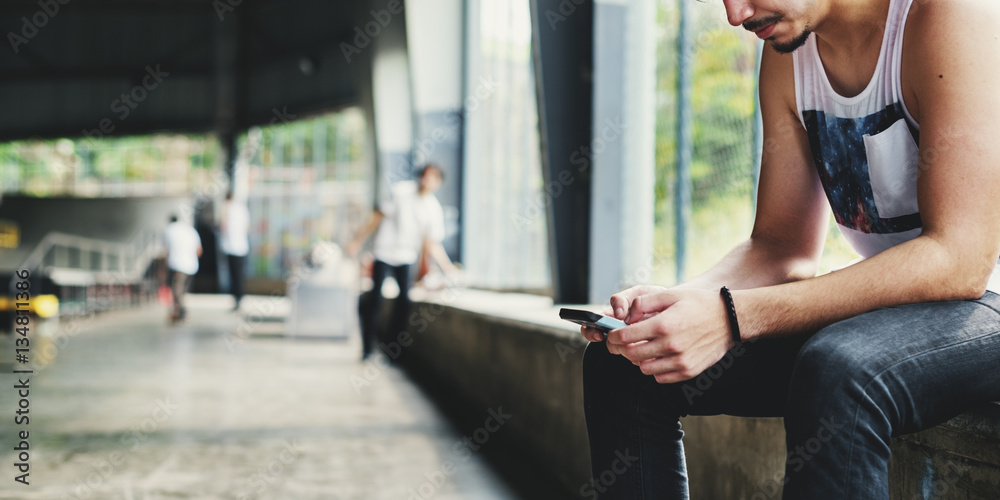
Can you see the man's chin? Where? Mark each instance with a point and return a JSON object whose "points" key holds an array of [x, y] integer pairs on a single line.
{"points": [[791, 45]]}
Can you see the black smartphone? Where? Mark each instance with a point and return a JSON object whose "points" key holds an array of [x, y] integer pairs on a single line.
{"points": [[604, 324]]}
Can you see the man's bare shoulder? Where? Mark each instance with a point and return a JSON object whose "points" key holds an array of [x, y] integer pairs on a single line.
{"points": [[939, 7], [933, 23], [944, 40]]}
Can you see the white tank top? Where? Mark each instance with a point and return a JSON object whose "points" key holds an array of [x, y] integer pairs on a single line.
{"points": [[865, 147]]}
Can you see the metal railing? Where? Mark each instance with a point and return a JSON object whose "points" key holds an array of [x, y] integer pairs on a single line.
{"points": [[69, 260], [104, 261]]}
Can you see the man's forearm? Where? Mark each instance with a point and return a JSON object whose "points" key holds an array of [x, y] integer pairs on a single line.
{"points": [[754, 263], [440, 256], [366, 230], [920, 270]]}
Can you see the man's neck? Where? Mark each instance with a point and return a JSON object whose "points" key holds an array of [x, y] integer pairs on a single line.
{"points": [[851, 27]]}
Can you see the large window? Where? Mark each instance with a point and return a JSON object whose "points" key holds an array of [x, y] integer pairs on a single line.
{"points": [[505, 239], [305, 182]]}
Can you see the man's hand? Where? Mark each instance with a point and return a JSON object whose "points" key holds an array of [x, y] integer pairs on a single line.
{"points": [[675, 334], [619, 308]]}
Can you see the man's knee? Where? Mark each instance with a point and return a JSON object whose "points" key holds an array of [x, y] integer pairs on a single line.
{"points": [[834, 358]]}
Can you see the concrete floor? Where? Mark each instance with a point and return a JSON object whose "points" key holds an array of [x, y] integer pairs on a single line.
{"points": [[130, 408]]}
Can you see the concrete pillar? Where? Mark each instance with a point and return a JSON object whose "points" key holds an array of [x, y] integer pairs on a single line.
{"points": [[563, 42], [383, 74], [228, 89], [393, 115], [623, 147], [434, 33], [685, 141], [362, 67]]}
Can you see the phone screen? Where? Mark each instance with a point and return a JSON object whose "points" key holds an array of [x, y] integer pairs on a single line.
{"points": [[591, 319]]}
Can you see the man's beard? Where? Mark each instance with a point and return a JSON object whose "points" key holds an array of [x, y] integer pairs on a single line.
{"points": [[791, 46], [782, 48]]}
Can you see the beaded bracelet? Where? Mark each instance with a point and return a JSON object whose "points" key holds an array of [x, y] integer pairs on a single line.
{"points": [[734, 325]]}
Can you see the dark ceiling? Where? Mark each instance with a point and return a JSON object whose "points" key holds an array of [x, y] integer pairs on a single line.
{"points": [[139, 66]]}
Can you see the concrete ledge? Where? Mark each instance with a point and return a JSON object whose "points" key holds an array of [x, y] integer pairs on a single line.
{"points": [[959, 459], [491, 350], [518, 361]]}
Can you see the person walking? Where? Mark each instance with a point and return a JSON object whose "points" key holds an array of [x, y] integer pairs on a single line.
{"points": [[409, 222], [235, 229], [183, 250]]}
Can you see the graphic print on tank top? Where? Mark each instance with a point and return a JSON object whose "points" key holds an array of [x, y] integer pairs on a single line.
{"points": [[865, 197]]}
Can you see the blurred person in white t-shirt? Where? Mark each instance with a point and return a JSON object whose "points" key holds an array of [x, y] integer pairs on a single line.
{"points": [[234, 227], [183, 250], [409, 222]]}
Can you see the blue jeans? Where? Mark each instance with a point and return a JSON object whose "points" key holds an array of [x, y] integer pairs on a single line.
{"points": [[844, 392]]}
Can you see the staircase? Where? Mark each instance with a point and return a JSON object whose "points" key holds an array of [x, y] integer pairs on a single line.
{"points": [[90, 275]]}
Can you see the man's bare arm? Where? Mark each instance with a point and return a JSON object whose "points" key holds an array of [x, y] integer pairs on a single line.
{"points": [[437, 252], [792, 211], [359, 239]]}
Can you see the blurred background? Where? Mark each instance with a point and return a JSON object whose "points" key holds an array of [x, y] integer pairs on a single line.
{"points": [[587, 146], [459, 88]]}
